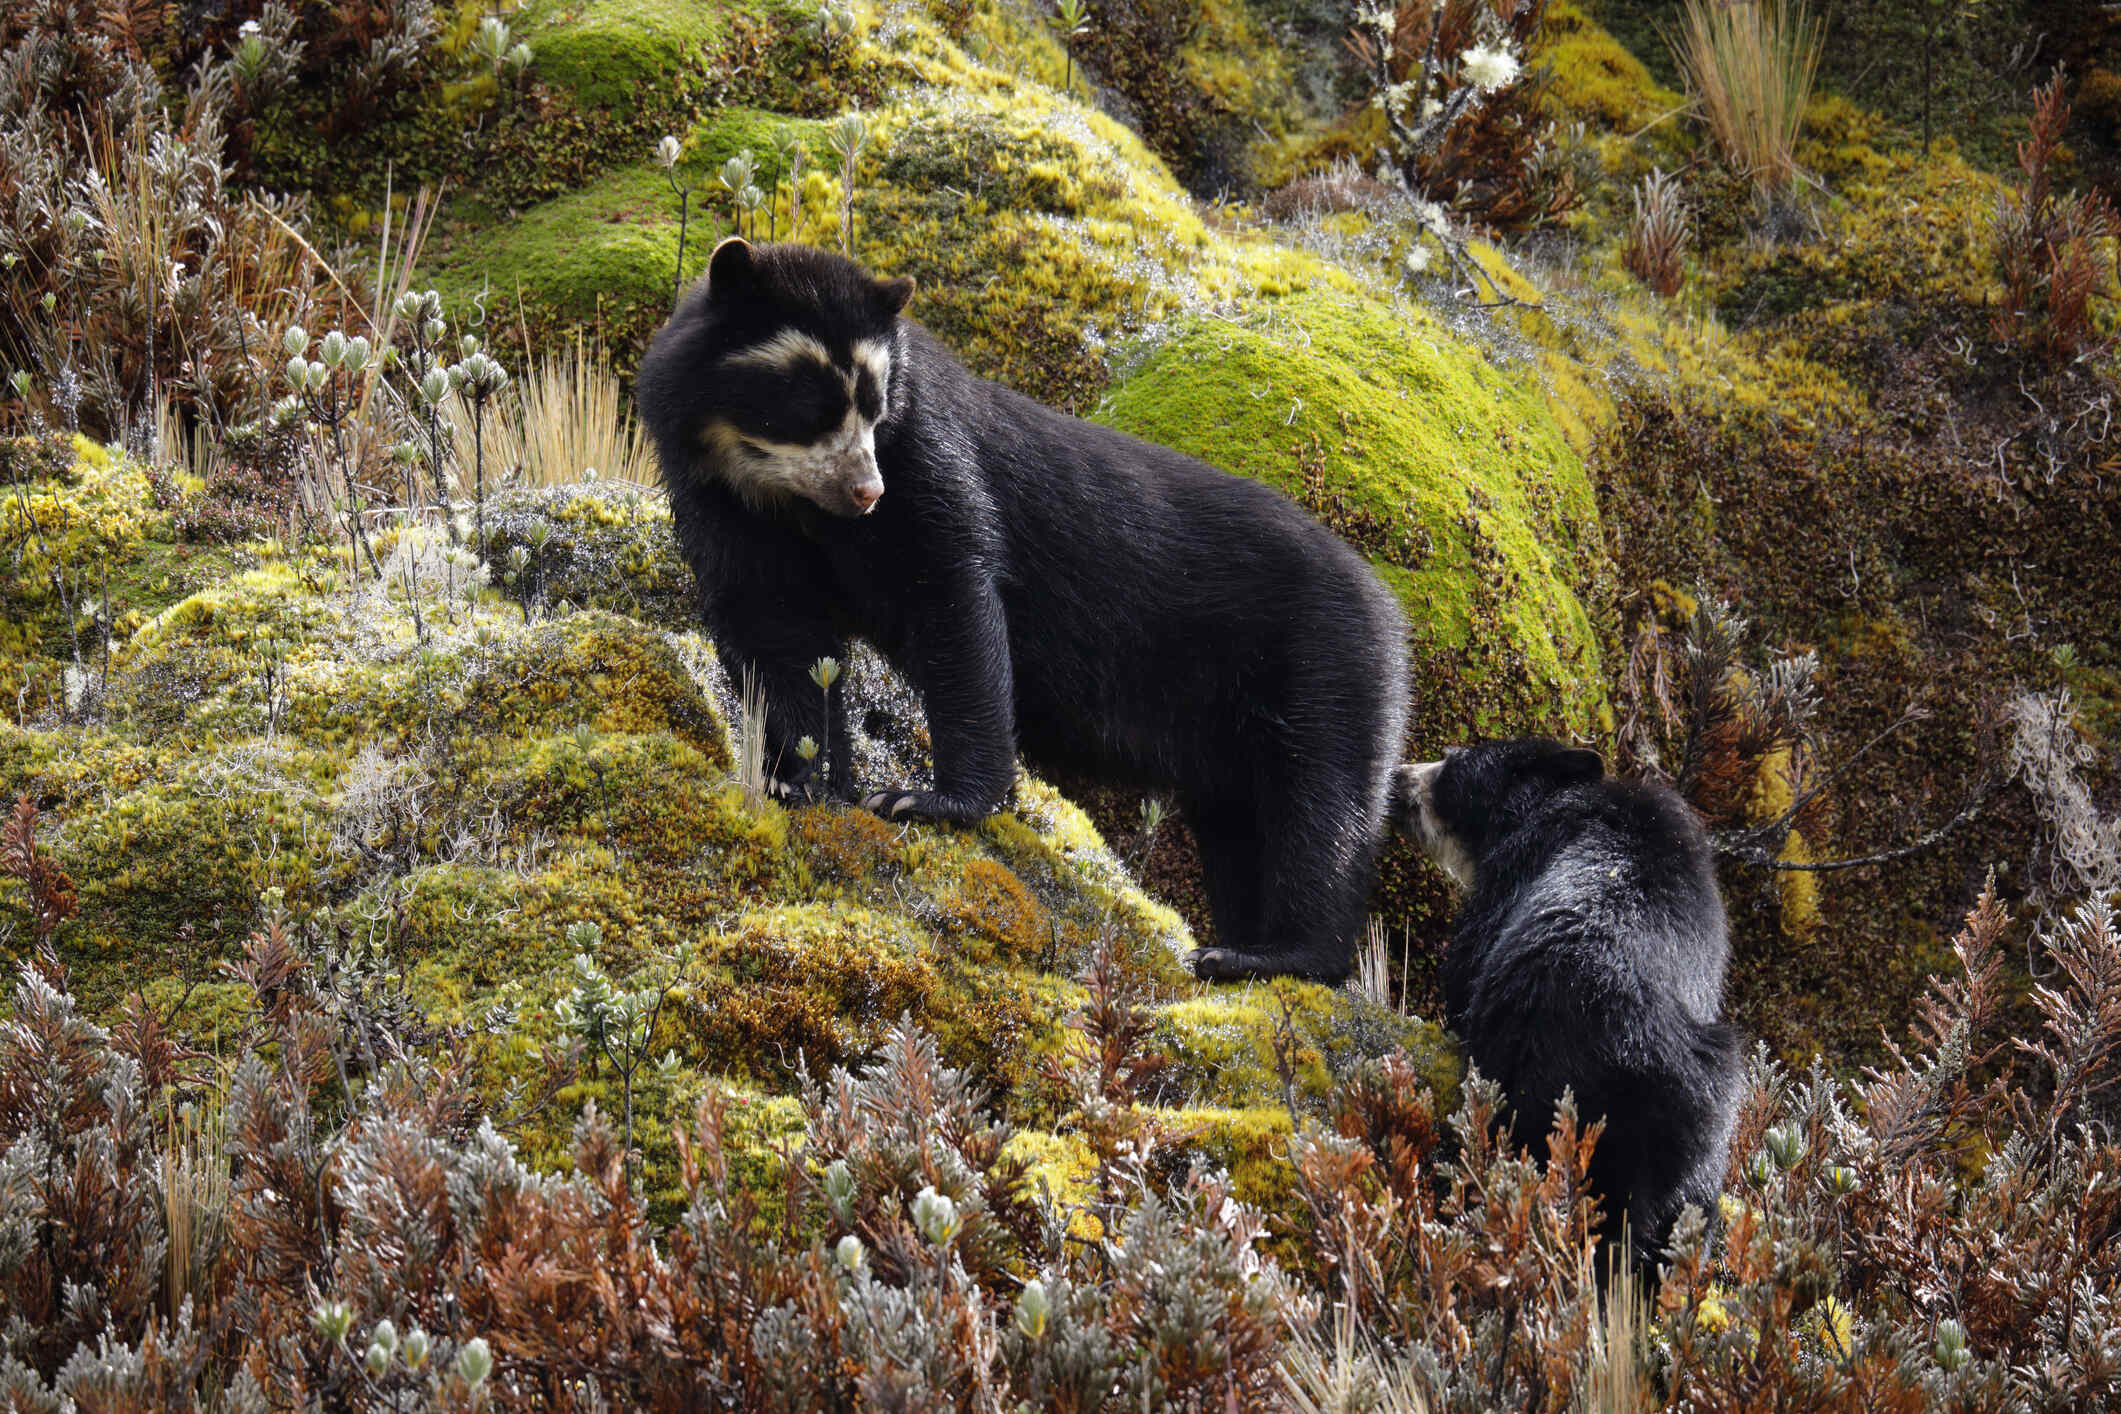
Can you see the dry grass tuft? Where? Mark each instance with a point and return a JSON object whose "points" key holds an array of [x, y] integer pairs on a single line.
{"points": [[572, 413], [751, 742], [195, 1182], [1658, 235], [1749, 65]]}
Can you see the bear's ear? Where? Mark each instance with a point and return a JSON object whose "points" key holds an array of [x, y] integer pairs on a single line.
{"points": [[729, 269], [1578, 764], [891, 295]]}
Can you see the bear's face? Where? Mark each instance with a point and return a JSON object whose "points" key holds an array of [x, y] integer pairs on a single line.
{"points": [[1458, 807], [1420, 818], [801, 374]]}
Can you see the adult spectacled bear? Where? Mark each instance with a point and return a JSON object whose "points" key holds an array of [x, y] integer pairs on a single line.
{"points": [[1589, 955], [1104, 606]]}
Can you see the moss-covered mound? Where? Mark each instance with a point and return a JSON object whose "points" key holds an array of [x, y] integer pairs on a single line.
{"points": [[1044, 236], [472, 785], [1451, 476]]}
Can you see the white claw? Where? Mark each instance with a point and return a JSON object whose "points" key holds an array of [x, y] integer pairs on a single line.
{"points": [[904, 803]]}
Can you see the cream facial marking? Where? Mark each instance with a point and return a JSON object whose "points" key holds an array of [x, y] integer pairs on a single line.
{"points": [[838, 471], [874, 355], [783, 350], [788, 347], [1437, 841]]}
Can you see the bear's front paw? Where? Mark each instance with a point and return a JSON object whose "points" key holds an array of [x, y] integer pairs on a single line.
{"points": [[804, 792], [920, 805], [1226, 965]]}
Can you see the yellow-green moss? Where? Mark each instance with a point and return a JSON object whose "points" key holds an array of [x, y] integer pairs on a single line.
{"points": [[1594, 77], [608, 53], [997, 918], [1036, 226], [88, 524], [1250, 1144], [1222, 1046], [1450, 475], [1058, 1167]]}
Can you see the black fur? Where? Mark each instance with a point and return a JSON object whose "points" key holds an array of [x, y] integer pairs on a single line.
{"points": [[1590, 956], [1106, 606]]}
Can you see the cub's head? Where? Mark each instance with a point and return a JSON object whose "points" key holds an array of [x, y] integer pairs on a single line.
{"points": [[793, 370], [1458, 807]]}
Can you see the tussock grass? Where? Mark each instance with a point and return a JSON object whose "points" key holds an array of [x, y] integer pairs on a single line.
{"points": [[751, 742], [1749, 66], [189, 448], [195, 1183], [1615, 1382], [569, 414], [1347, 1372], [1373, 973]]}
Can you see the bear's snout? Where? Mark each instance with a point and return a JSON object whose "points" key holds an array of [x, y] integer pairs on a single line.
{"points": [[1414, 814]]}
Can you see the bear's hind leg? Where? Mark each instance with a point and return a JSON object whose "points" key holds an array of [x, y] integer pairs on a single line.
{"points": [[1228, 842], [1308, 859]]}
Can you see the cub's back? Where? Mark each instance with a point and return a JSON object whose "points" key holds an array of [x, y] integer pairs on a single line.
{"points": [[1611, 886]]}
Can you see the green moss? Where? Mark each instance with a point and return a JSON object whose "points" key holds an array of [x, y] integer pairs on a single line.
{"points": [[730, 131], [1223, 1046], [593, 547], [600, 257], [1594, 77], [173, 867], [610, 53], [1038, 230], [1451, 476]]}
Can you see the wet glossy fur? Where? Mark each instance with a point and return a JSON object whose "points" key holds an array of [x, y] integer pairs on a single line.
{"points": [[1103, 605], [1589, 955]]}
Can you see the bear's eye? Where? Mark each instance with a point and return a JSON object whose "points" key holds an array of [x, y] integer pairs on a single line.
{"points": [[867, 396]]}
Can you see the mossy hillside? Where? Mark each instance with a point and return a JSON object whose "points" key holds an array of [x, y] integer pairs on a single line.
{"points": [[1864, 390], [588, 546], [1251, 105], [69, 512], [1037, 228], [1907, 245], [622, 55], [1230, 1046], [601, 258], [1449, 474], [94, 514], [1014, 37], [452, 788]]}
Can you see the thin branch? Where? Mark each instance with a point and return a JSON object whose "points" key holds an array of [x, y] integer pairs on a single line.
{"points": [[1780, 825], [1758, 854]]}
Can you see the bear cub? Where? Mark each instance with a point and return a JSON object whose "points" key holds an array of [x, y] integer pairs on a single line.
{"points": [[1589, 955], [1102, 605]]}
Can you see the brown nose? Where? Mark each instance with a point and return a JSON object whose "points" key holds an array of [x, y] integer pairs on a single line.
{"points": [[865, 496]]}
